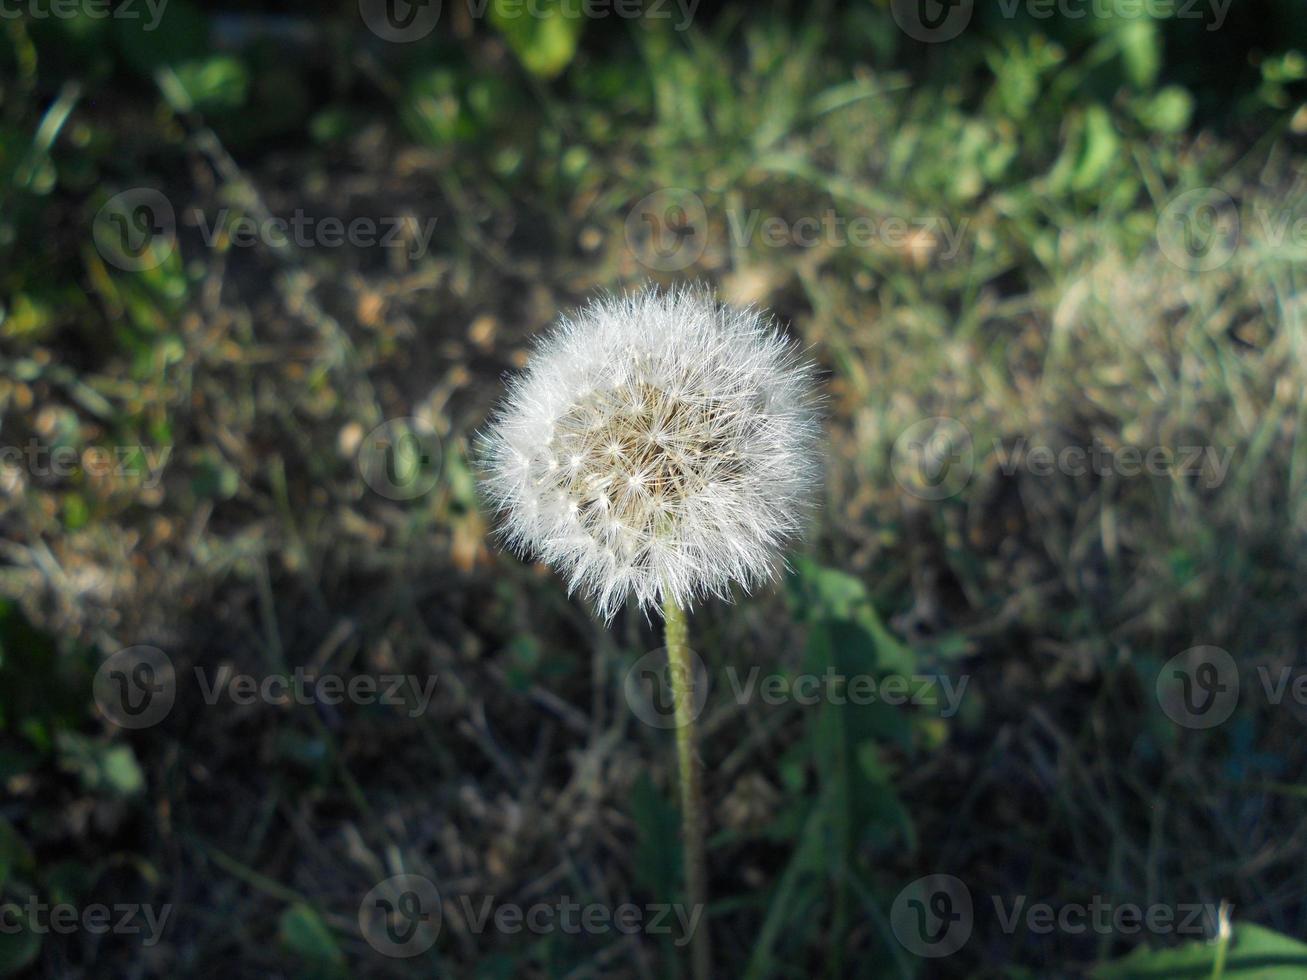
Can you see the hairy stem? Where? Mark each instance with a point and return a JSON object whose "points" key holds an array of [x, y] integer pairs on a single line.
{"points": [[696, 882]]}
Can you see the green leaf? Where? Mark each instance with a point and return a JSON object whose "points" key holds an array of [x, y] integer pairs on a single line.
{"points": [[434, 110], [658, 839], [884, 815], [827, 592], [1254, 953], [831, 595], [336, 124], [214, 83], [212, 478], [305, 935], [543, 34], [798, 888], [1169, 111], [76, 511], [101, 767], [28, 319], [1141, 51], [1092, 147], [1098, 149]]}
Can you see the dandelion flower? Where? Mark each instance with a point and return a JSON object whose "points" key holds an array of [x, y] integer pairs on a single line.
{"points": [[659, 445]]}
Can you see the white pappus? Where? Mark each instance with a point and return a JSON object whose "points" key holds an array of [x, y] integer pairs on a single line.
{"points": [[659, 444]]}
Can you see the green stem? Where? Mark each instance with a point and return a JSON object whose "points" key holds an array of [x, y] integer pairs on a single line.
{"points": [[696, 880]]}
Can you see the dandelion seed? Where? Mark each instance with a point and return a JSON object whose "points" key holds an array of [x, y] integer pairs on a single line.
{"points": [[687, 434]]}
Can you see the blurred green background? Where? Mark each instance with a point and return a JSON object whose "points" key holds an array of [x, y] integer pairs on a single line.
{"points": [[1058, 224]]}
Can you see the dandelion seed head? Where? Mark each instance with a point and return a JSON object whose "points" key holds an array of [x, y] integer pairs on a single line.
{"points": [[658, 445]]}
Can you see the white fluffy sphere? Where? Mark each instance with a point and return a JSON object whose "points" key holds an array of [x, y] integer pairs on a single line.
{"points": [[661, 445]]}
